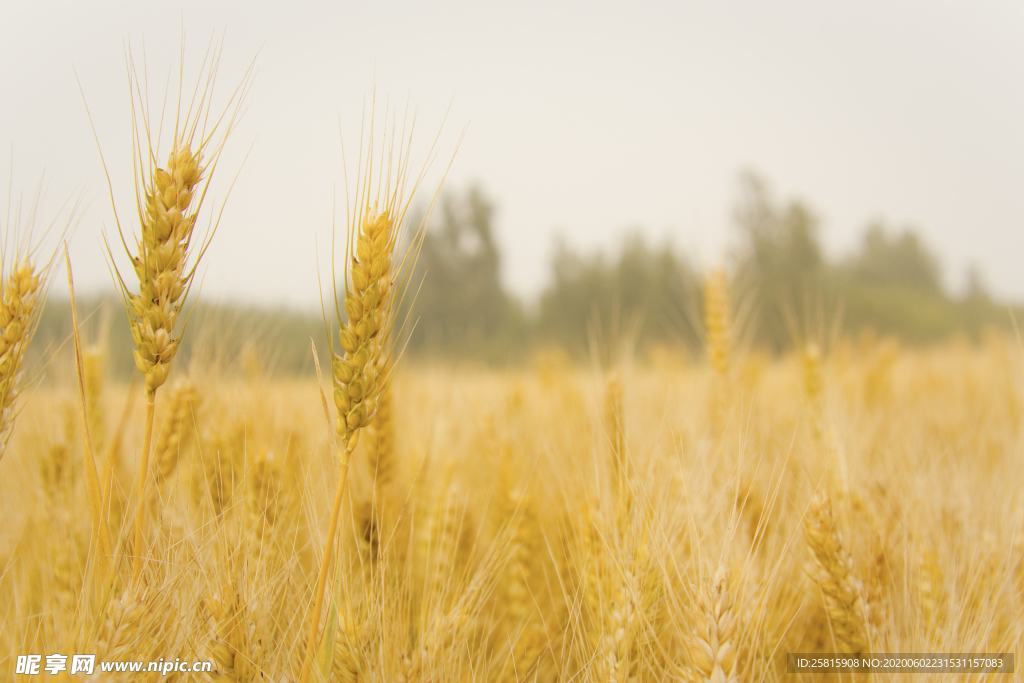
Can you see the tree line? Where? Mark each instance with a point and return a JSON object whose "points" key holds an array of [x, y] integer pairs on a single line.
{"points": [[783, 288]]}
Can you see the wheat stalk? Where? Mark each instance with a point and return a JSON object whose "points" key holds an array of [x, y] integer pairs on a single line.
{"points": [[94, 360], [100, 532], [717, 320], [813, 390], [615, 427]]}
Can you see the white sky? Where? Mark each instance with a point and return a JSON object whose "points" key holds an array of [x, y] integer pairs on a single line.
{"points": [[585, 120]]}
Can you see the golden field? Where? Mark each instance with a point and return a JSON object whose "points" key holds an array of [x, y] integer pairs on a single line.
{"points": [[663, 521], [660, 516]]}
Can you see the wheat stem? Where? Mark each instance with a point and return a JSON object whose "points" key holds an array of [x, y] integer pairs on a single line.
{"points": [[321, 581], [100, 532], [114, 448], [140, 510]]}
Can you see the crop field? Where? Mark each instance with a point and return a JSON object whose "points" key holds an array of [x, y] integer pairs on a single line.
{"points": [[656, 523], [679, 516]]}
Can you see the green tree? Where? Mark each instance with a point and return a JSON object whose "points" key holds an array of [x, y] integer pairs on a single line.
{"points": [[646, 291], [893, 285], [461, 309], [781, 269], [901, 260]]}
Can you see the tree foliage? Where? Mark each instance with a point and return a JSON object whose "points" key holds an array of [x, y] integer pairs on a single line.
{"points": [[780, 267], [461, 309], [900, 260], [784, 290], [648, 293]]}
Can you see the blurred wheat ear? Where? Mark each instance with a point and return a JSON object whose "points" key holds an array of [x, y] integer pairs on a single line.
{"points": [[168, 199]]}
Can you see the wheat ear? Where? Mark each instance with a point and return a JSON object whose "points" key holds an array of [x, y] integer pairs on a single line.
{"points": [[519, 573], [160, 265], [929, 591], [357, 382], [713, 647], [24, 284], [373, 281], [19, 313], [167, 201], [840, 589]]}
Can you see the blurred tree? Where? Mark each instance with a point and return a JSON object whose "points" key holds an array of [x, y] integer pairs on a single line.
{"points": [[894, 285], [976, 290], [646, 292], [901, 260], [220, 332], [461, 309], [780, 266]]}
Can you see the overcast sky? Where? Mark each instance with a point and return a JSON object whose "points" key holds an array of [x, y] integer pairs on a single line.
{"points": [[585, 120]]}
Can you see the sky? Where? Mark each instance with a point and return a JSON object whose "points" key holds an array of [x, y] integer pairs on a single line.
{"points": [[581, 121]]}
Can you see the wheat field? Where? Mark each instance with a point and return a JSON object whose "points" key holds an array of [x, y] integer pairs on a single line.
{"points": [[665, 523], [671, 517]]}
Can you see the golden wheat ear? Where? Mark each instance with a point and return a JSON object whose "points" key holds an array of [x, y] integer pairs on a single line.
{"points": [[841, 590], [164, 260], [20, 302], [375, 282], [25, 278]]}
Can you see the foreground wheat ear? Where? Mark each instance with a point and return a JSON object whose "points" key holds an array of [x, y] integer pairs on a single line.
{"points": [[168, 199], [24, 284], [374, 285]]}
